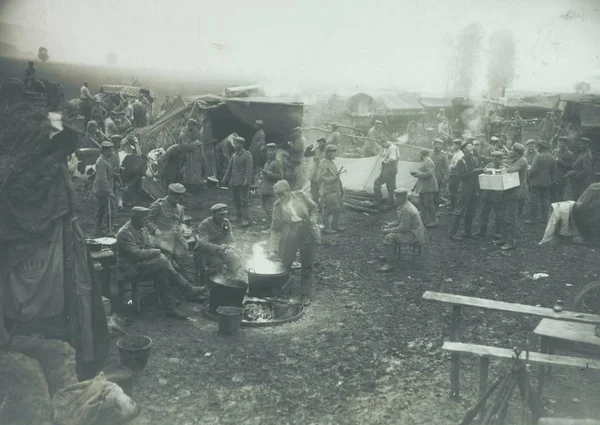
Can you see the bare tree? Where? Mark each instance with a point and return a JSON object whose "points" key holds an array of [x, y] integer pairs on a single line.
{"points": [[582, 87], [43, 54], [501, 65]]}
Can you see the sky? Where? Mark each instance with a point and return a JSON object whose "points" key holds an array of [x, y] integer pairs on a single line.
{"points": [[329, 43]]}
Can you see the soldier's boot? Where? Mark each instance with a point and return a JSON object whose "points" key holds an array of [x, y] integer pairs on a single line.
{"points": [[454, 228], [327, 224], [390, 259], [169, 303], [192, 292], [335, 223], [469, 229], [306, 284]]}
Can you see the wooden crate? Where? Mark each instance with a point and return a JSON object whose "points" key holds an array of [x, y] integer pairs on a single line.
{"points": [[499, 182]]}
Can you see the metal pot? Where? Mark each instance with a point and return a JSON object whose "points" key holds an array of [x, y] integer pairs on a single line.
{"points": [[226, 292], [266, 285]]}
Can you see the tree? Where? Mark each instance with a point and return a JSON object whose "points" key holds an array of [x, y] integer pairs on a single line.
{"points": [[469, 49], [582, 87], [501, 65], [112, 58], [43, 54]]}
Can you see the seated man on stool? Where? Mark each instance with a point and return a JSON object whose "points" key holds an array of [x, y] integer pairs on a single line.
{"points": [[166, 220], [214, 244], [408, 230], [138, 257]]}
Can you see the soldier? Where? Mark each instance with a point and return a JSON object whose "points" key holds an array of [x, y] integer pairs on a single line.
{"points": [[295, 149], [103, 186], [294, 228], [564, 163], [530, 154], [389, 170], [238, 177], [407, 230], [137, 256], [116, 161], [223, 152], [86, 101], [170, 161], [214, 248], [110, 127], [485, 149], [257, 149], [583, 169], [440, 160], [444, 131], [516, 126], [331, 192], [93, 136], [467, 171], [546, 129], [335, 138], [516, 163], [487, 124], [540, 178], [191, 160], [492, 199], [97, 113], [30, 75], [269, 175], [372, 146], [453, 181], [317, 155], [427, 187]]}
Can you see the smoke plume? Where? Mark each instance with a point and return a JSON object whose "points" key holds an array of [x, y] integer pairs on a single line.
{"points": [[501, 66]]}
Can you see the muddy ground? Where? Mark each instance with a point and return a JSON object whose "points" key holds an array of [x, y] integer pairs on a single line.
{"points": [[368, 349]]}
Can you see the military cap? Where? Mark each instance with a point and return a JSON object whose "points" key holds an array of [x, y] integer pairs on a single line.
{"points": [[401, 191], [518, 147], [116, 137], [530, 142], [258, 122], [177, 188], [584, 140], [107, 144], [139, 212], [331, 148], [240, 140], [92, 123], [322, 139], [544, 144], [457, 142], [438, 140], [271, 145], [471, 138], [494, 139], [424, 152], [192, 121], [497, 153], [218, 208], [464, 145]]}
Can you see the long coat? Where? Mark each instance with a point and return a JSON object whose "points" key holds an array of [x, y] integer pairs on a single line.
{"points": [[542, 172], [331, 191], [426, 181]]}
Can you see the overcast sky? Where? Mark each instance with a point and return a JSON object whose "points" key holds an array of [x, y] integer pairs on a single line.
{"points": [[386, 43]]}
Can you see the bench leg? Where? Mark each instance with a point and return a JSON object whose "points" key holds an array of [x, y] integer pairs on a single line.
{"points": [[455, 368]]}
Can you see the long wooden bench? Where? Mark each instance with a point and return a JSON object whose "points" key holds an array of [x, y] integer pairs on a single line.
{"points": [[457, 301]]}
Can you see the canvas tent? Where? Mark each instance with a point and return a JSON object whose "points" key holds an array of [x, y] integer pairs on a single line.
{"points": [[395, 110]]}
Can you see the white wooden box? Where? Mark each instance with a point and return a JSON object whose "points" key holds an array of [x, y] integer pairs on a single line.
{"points": [[499, 181]]}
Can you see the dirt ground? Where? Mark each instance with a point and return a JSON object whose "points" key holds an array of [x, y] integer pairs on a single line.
{"points": [[368, 349]]}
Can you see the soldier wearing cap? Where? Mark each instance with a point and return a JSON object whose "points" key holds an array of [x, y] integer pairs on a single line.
{"points": [[485, 149], [444, 130], [110, 127], [564, 163], [540, 178], [214, 248], [317, 154], [335, 137], [331, 192], [546, 129], [511, 198], [442, 168], [582, 173], [123, 123], [238, 177], [103, 186], [97, 113], [93, 135], [531, 151], [427, 187], [516, 126], [271, 173], [192, 159], [257, 149], [492, 199], [294, 228], [137, 256], [408, 229], [294, 165], [453, 181], [467, 171], [376, 136], [86, 102], [389, 170]]}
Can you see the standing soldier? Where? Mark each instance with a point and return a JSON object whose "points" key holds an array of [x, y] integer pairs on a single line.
{"points": [[257, 149], [583, 169], [453, 181], [487, 125], [192, 159], [530, 154], [170, 161], [86, 101], [238, 177], [389, 170], [540, 178], [269, 175], [331, 192], [427, 187], [30, 75], [295, 148], [511, 198], [444, 131], [103, 187], [375, 138], [516, 126], [317, 155], [116, 161], [467, 170], [492, 199], [546, 128], [485, 149], [564, 163], [440, 160], [110, 127], [223, 152], [97, 113], [335, 138]]}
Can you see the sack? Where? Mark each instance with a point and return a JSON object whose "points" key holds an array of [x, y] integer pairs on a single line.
{"points": [[24, 397], [586, 213], [93, 402]]}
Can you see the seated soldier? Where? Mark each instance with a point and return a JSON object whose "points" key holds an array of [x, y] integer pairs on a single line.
{"points": [[408, 230], [169, 231], [214, 244], [138, 257]]}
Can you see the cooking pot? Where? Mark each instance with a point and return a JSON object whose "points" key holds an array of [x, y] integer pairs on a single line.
{"points": [[225, 292], [266, 284]]}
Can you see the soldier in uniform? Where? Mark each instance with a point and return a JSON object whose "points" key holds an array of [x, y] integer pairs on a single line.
{"points": [[492, 199], [583, 169], [564, 163], [376, 136], [295, 149], [110, 127], [331, 192], [104, 185], [97, 113], [137, 256], [427, 187], [271, 173], [540, 178], [511, 198], [317, 155], [442, 168], [485, 149], [214, 248], [257, 149], [389, 170], [335, 138], [453, 181], [547, 127], [238, 177], [407, 230], [516, 126]]}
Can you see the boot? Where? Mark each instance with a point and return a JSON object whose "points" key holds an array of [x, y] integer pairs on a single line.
{"points": [[171, 310], [454, 228], [191, 291], [335, 223], [390, 259]]}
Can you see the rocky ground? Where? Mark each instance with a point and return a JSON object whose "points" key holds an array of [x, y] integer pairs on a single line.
{"points": [[368, 349]]}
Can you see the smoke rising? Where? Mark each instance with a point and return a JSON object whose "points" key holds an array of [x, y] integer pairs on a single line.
{"points": [[501, 66]]}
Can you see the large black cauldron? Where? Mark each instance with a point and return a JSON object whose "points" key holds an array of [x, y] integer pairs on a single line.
{"points": [[226, 292], [267, 285]]}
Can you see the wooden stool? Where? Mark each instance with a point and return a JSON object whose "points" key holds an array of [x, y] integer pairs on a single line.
{"points": [[416, 251], [135, 283]]}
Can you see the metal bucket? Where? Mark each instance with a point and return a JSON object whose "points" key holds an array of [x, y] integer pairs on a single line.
{"points": [[230, 320]]}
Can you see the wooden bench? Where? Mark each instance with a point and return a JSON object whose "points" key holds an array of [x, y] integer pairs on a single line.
{"points": [[457, 301]]}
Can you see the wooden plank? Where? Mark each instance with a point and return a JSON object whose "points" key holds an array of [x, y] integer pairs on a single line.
{"points": [[567, 421], [512, 307], [534, 357], [568, 331]]}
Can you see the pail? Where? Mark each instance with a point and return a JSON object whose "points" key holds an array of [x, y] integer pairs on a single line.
{"points": [[230, 320], [134, 351], [226, 292]]}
